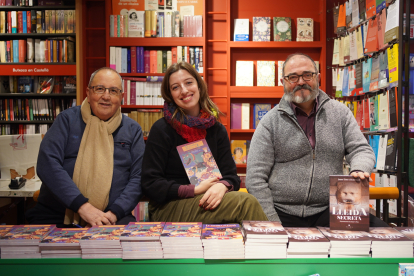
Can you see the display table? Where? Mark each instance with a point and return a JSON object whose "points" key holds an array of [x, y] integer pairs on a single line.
{"points": [[201, 267]]}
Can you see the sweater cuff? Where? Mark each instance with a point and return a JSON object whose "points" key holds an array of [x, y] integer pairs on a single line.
{"points": [[228, 185], [78, 202], [186, 191], [173, 191], [118, 212]]}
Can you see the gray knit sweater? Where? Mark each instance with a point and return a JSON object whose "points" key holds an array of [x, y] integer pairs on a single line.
{"points": [[284, 171]]}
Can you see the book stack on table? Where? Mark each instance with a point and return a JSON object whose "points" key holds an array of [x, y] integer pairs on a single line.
{"points": [[307, 243], [141, 240], [264, 240], [222, 241], [102, 242], [408, 232], [182, 240], [389, 243], [62, 243], [22, 241], [347, 244]]}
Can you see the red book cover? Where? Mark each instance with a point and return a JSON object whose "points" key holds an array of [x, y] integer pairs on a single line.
{"points": [[133, 94], [371, 45], [125, 98], [371, 8], [348, 203], [27, 109], [135, 79], [174, 55], [359, 116], [153, 61], [47, 57], [22, 51], [60, 57], [29, 22], [19, 22], [382, 18], [9, 23], [133, 59], [187, 53], [366, 113], [121, 26], [146, 61]]}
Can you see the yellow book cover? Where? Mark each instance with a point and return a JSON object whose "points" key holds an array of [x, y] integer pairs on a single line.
{"points": [[265, 73], [392, 53], [239, 151]]}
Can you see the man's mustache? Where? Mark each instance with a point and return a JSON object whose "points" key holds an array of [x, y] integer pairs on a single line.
{"points": [[303, 86]]}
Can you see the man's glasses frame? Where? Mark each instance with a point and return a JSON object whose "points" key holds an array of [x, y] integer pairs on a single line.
{"points": [[100, 89], [294, 78]]}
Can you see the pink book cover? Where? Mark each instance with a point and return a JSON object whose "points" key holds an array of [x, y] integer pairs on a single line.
{"points": [[198, 161], [199, 26], [193, 26], [146, 61], [174, 55], [133, 59], [125, 99], [382, 18], [359, 117], [366, 113], [121, 26], [236, 114], [133, 93], [153, 61], [29, 21], [186, 25]]}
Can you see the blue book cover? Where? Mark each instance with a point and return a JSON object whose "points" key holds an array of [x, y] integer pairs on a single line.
{"points": [[259, 110], [24, 22], [197, 57], [366, 75], [124, 56], [345, 83], [380, 5], [373, 142], [128, 61], [51, 50], [141, 55], [15, 51], [138, 56]]}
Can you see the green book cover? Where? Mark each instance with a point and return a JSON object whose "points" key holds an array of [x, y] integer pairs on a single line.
{"points": [[31, 109], [118, 24], [282, 29]]}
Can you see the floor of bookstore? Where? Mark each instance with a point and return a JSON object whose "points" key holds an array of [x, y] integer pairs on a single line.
{"points": [[201, 267]]}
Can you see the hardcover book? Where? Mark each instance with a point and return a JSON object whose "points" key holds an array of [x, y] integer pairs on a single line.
{"points": [[261, 28], [348, 203], [265, 73], [282, 29], [241, 30], [259, 110], [198, 161], [304, 29], [240, 116], [240, 150], [244, 73]]}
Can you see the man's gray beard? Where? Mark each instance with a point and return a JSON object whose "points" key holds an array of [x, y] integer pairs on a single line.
{"points": [[289, 96]]}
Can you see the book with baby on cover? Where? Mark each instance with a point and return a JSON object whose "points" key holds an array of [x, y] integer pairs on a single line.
{"points": [[198, 161], [348, 203]]}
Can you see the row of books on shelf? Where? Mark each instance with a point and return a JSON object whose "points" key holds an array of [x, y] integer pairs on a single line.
{"points": [[41, 22], [142, 91], [282, 29], [240, 115], [138, 60], [14, 129], [38, 84], [20, 109], [155, 24], [265, 72], [172, 240], [145, 118], [31, 3], [379, 111], [38, 50]]}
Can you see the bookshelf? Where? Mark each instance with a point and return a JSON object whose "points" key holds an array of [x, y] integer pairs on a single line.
{"points": [[18, 69]]}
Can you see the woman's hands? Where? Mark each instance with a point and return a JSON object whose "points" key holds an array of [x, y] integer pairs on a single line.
{"points": [[213, 196], [205, 185]]}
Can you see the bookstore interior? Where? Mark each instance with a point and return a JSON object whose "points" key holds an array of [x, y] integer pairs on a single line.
{"points": [[363, 51]]}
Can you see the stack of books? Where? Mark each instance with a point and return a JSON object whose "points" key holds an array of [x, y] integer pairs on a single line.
{"points": [[22, 241], [347, 244], [62, 243], [222, 241], [102, 242], [389, 243], [307, 243], [141, 240], [264, 240], [406, 231], [182, 240]]}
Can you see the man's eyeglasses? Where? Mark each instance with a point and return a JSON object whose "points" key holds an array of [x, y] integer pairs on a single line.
{"points": [[100, 89], [295, 78]]}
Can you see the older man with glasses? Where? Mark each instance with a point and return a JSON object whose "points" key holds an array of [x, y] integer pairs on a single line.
{"points": [[298, 144], [90, 161]]}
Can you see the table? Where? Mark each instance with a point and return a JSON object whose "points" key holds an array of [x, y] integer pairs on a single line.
{"points": [[27, 191], [201, 267]]}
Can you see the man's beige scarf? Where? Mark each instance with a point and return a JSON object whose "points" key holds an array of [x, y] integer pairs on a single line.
{"points": [[94, 164]]}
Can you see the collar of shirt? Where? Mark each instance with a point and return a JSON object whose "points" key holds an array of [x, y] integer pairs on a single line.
{"points": [[296, 109]]}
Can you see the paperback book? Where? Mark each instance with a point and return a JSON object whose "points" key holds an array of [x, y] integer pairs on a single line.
{"points": [[304, 29], [259, 110], [198, 161], [265, 73], [282, 29], [348, 203], [241, 30], [240, 150], [261, 28]]}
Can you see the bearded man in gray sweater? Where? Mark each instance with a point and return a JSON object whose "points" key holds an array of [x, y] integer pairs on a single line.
{"points": [[299, 144]]}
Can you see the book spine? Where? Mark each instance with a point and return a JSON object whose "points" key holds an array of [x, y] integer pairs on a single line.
{"points": [[146, 61], [128, 60], [147, 32], [164, 61], [153, 61], [141, 59], [28, 21], [15, 51], [124, 56], [22, 51], [111, 25], [133, 95], [153, 24], [133, 59], [13, 22], [19, 22], [173, 55]]}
